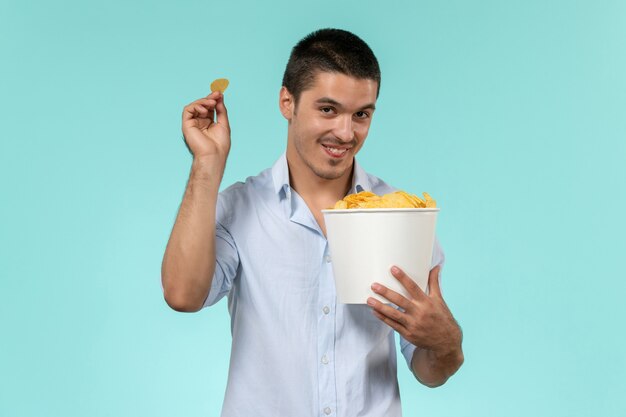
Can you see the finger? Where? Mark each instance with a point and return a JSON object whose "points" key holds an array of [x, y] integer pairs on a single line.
{"points": [[200, 110], [209, 103], [195, 109], [222, 113], [214, 95], [391, 323], [387, 311], [433, 282], [391, 295], [412, 288]]}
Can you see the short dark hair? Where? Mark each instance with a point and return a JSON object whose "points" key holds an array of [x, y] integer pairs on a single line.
{"points": [[329, 50]]}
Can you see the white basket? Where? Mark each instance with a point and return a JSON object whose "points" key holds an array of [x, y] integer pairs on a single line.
{"points": [[365, 243]]}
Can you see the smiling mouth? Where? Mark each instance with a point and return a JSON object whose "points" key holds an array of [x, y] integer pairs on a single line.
{"points": [[335, 152]]}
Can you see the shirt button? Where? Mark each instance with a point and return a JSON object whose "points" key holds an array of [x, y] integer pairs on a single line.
{"points": [[327, 410], [326, 310], [325, 361], [327, 258]]}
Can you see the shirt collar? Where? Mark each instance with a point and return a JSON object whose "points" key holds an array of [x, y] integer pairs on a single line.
{"points": [[360, 179], [280, 177]]}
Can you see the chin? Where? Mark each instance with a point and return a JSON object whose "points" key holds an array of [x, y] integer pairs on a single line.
{"points": [[331, 173]]}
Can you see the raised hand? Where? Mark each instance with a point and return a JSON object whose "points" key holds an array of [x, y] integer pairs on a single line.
{"points": [[206, 128]]}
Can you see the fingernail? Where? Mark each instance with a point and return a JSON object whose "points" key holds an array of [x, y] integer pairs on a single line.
{"points": [[395, 269], [371, 301], [376, 287]]}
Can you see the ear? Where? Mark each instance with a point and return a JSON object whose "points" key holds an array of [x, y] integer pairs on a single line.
{"points": [[286, 103]]}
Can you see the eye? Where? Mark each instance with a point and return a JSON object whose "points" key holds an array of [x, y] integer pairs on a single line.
{"points": [[327, 110], [362, 114]]}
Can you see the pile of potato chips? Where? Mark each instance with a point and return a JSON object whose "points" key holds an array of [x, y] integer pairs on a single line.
{"points": [[398, 199]]}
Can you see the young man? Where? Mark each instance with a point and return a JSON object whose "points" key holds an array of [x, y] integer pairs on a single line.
{"points": [[296, 351]]}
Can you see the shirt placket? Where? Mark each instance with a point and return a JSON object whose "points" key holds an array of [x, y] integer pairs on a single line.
{"points": [[326, 337]]}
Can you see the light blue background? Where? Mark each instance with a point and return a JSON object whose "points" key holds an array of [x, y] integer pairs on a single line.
{"points": [[511, 114]]}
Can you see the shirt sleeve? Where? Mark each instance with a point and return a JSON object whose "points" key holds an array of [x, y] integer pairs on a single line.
{"points": [[438, 258], [226, 257]]}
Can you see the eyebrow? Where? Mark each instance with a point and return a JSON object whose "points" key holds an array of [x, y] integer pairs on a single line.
{"points": [[328, 100]]}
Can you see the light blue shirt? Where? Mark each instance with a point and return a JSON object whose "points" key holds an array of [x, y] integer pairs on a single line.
{"points": [[296, 351]]}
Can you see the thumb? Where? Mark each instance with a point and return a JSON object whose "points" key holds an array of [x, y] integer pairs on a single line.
{"points": [[434, 289], [222, 112]]}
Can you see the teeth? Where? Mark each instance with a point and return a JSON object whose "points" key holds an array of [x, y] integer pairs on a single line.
{"points": [[335, 150]]}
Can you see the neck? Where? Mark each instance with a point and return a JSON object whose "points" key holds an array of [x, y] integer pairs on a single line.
{"points": [[312, 187]]}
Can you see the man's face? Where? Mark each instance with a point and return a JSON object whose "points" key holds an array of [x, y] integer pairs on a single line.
{"points": [[330, 123]]}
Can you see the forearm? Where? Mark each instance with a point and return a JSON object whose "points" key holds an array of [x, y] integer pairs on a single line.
{"points": [[433, 368], [189, 259]]}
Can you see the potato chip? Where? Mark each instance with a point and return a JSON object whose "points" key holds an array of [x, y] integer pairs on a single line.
{"points": [[418, 201], [362, 196], [219, 85], [341, 205], [397, 199], [430, 203]]}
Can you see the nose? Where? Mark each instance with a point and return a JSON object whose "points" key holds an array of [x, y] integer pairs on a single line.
{"points": [[343, 130]]}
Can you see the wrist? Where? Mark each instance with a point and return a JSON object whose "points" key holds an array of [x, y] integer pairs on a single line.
{"points": [[208, 168], [451, 351]]}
